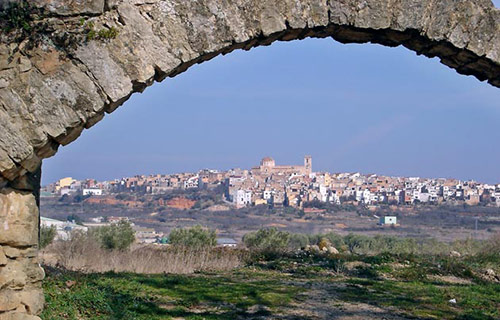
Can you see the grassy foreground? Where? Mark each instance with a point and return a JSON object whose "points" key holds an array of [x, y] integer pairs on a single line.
{"points": [[295, 286]]}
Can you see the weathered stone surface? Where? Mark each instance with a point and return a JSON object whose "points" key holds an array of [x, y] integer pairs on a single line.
{"points": [[9, 300], [21, 271], [49, 93], [18, 218], [33, 300], [72, 7], [17, 316], [28, 182], [3, 258], [110, 75], [12, 252], [34, 272], [13, 275], [4, 83]]}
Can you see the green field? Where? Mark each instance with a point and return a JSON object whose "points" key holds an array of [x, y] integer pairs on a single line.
{"points": [[294, 286]]}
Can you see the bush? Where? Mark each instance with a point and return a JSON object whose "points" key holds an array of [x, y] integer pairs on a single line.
{"points": [[17, 15], [116, 236], [324, 243], [297, 241], [195, 237], [47, 235], [269, 239], [357, 243], [75, 218], [336, 240]]}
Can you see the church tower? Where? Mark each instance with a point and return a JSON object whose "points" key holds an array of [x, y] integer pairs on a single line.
{"points": [[308, 164]]}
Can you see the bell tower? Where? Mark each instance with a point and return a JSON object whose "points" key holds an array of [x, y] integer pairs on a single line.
{"points": [[308, 164]]}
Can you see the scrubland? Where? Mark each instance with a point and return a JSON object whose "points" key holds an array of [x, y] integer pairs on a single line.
{"points": [[369, 278]]}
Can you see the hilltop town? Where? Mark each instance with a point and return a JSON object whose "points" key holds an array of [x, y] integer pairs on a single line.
{"points": [[293, 186]]}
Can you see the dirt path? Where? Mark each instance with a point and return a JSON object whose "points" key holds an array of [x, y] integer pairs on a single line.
{"points": [[320, 300]]}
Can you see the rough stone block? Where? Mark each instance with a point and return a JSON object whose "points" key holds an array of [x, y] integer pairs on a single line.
{"points": [[3, 258], [34, 272], [17, 316], [18, 218], [64, 7], [33, 300], [12, 275], [11, 252], [9, 300]]}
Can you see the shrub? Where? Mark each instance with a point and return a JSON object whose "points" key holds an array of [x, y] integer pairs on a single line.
{"points": [[336, 240], [47, 235], [269, 239], [195, 237], [298, 241], [357, 243], [203, 204], [324, 243], [110, 33], [116, 236], [17, 15], [75, 218]]}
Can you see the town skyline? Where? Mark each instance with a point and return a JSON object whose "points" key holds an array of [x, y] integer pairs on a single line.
{"points": [[136, 174], [292, 185]]}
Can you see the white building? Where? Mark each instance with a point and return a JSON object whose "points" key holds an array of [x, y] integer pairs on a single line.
{"points": [[242, 197], [92, 192], [388, 220], [63, 228], [226, 242], [191, 182], [267, 194]]}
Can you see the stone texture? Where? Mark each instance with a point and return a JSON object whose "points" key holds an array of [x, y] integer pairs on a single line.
{"points": [[33, 300], [3, 257], [18, 218], [13, 275], [17, 316], [12, 252], [9, 300], [72, 7], [20, 284]]}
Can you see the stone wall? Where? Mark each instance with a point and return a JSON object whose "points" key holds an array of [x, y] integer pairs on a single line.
{"points": [[21, 295]]}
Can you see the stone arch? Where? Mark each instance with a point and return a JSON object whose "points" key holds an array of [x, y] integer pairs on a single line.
{"points": [[77, 71]]}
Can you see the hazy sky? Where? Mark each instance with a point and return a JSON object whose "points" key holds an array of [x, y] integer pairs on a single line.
{"points": [[362, 108]]}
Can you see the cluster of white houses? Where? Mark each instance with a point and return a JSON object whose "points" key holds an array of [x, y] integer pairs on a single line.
{"points": [[293, 185]]}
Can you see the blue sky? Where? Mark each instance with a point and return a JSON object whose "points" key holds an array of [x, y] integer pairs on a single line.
{"points": [[364, 108]]}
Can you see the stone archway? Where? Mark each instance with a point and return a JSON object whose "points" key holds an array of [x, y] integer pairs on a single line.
{"points": [[88, 57]]}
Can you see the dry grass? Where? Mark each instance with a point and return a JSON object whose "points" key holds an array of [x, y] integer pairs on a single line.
{"points": [[85, 255]]}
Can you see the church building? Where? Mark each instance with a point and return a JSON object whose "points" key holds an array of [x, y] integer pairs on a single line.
{"points": [[268, 167]]}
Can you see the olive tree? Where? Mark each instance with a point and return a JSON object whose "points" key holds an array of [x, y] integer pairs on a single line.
{"points": [[268, 239], [194, 237], [115, 236]]}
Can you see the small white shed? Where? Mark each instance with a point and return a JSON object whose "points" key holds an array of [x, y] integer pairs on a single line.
{"points": [[388, 220]]}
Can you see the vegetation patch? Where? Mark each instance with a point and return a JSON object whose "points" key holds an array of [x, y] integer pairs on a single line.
{"points": [[72, 295], [427, 300], [22, 20], [271, 280]]}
